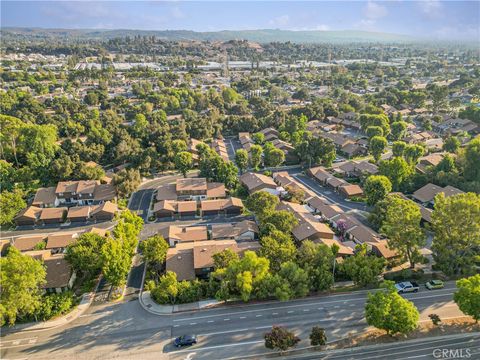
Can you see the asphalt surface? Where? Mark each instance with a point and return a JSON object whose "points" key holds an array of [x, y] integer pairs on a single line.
{"points": [[328, 193], [124, 330], [451, 347]]}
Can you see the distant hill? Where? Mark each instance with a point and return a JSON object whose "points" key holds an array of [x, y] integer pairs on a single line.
{"points": [[261, 36]]}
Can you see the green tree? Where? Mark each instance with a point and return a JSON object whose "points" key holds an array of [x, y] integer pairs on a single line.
{"points": [[399, 129], [11, 202], [402, 227], [277, 247], [294, 281], [279, 338], [224, 258], [472, 161], [85, 255], [318, 336], [274, 157], [116, 262], [127, 181], [388, 311], [374, 131], [283, 220], [451, 144], [376, 188], [166, 291], [397, 170], [412, 153], [241, 277], [317, 260], [241, 159], [262, 203], [183, 162], [467, 297], [256, 152], [398, 148], [377, 146], [456, 224], [364, 269], [258, 138], [154, 249], [21, 277]]}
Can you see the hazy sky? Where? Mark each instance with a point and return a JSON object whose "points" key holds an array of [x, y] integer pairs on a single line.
{"points": [[426, 18]]}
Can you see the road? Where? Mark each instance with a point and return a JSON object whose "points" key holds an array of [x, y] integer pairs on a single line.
{"points": [[327, 193], [125, 330], [446, 347]]}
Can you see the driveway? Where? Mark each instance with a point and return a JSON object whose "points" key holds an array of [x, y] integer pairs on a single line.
{"points": [[328, 194]]}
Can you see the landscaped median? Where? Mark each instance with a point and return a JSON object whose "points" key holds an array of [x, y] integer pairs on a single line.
{"points": [[151, 306], [85, 303]]}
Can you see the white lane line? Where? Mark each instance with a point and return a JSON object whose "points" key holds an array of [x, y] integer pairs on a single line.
{"points": [[224, 332], [193, 323], [210, 321], [363, 299], [289, 312], [306, 310], [274, 313], [262, 327], [176, 325], [226, 319], [222, 346], [243, 317], [258, 315]]}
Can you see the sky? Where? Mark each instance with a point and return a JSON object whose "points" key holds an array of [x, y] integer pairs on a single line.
{"points": [[433, 19]]}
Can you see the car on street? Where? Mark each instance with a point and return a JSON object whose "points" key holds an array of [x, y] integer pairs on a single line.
{"points": [[435, 284], [185, 340], [407, 287]]}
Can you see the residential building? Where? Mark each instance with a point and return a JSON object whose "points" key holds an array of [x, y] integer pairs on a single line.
{"points": [[255, 182]]}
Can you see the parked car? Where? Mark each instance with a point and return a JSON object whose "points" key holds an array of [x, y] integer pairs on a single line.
{"points": [[435, 284], [407, 287], [185, 340]]}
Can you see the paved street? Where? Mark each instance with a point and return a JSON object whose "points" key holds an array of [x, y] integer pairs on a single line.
{"points": [[125, 330], [454, 347], [327, 193]]}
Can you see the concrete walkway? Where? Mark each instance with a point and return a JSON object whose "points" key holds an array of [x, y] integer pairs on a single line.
{"points": [[151, 306], [85, 303]]}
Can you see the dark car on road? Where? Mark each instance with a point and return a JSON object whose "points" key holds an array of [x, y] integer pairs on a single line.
{"points": [[185, 340]]}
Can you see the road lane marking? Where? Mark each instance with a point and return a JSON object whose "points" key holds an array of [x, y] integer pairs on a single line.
{"points": [[363, 299], [193, 323], [226, 319], [223, 332], [289, 312], [274, 313], [243, 317], [258, 315], [306, 310], [176, 325], [222, 346], [210, 321]]}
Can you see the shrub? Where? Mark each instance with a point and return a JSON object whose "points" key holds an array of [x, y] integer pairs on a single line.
{"points": [[435, 319], [280, 339], [317, 336], [55, 304]]}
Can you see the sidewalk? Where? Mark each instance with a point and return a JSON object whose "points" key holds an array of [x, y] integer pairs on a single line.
{"points": [[85, 303], [151, 306]]}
